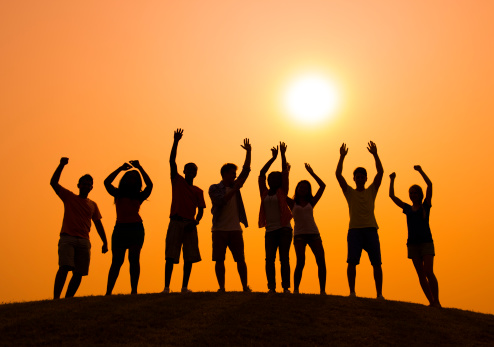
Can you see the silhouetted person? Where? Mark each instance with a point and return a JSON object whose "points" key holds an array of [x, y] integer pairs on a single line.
{"points": [[275, 216], [420, 244], [305, 231], [362, 233], [74, 248], [228, 212], [128, 233], [182, 230]]}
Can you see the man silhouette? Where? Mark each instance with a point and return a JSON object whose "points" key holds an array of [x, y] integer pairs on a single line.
{"points": [[74, 246]]}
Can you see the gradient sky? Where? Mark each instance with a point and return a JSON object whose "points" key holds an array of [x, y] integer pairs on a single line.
{"points": [[103, 82]]}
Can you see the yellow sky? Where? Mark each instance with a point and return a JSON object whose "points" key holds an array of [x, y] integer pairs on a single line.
{"points": [[103, 82]]}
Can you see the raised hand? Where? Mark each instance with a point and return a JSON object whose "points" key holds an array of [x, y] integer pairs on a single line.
{"points": [[274, 152], [343, 150], [372, 148], [309, 169], [393, 175], [64, 161], [177, 135], [135, 163], [282, 147], [246, 145], [418, 168], [126, 166]]}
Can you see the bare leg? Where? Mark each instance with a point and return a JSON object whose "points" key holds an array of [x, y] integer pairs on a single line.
{"points": [[242, 271], [118, 257], [134, 267], [219, 268], [378, 278], [74, 283], [318, 250], [418, 263], [429, 273], [168, 272], [351, 273], [300, 253], [187, 270], [60, 281]]}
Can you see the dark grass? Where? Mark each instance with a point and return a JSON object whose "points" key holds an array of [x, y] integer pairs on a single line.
{"points": [[238, 319]]}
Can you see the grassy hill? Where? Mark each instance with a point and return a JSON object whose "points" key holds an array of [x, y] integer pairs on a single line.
{"points": [[238, 319]]}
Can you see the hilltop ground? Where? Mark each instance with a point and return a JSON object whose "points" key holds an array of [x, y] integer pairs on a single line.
{"points": [[238, 319]]}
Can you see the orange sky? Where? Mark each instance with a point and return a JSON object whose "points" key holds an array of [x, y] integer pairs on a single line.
{"points": [[102, 82]]}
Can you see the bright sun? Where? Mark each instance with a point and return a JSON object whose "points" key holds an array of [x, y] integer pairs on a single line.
{"points": [[310, 99]]}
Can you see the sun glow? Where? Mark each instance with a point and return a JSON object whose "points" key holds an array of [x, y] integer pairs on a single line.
{"points": [[310, 99]]}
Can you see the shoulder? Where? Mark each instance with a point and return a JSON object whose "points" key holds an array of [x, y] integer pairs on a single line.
{"points": [[406, 208]]}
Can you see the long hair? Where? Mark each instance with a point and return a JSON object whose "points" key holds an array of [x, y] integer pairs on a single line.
{"points": [[308, 197], [130, 185]]}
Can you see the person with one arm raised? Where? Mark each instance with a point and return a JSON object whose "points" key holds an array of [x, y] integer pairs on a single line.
{"points": [[74, 247], [186, 212]]}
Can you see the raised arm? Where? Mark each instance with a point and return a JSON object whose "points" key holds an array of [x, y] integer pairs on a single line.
{"points": [[56, 175], [264, 170], [285, 169], [392, 191], [319, 181], [102, 235], [428, 193], [339, 168], [246, 167], [177, 135], [149, 185], [111, 177], [372, 148]]}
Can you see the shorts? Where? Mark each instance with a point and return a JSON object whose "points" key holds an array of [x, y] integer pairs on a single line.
{"points": [[74, 252], [366, 239], [420, 249], [232, 239], [182, 233], [127, 235]]}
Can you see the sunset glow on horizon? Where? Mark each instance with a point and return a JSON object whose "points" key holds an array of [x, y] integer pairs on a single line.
{"points": [[106, 82]]}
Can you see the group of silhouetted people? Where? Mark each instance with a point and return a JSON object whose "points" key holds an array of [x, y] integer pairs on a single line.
{"points": [[275, 215]]}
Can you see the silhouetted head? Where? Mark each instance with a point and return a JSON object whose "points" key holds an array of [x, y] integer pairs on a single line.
{"points": [[303, 192], [190, 171], [360, 177], [130, 185], [275, 180], [416, 194], [85, 184], [228, 173]]}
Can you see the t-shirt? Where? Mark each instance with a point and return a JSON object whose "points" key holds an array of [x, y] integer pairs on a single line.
{"points": [[419, 230], [185, 198], [361, 207], [228, 220], [303, 217], [272, 212], [78, 213], [128, 210]]}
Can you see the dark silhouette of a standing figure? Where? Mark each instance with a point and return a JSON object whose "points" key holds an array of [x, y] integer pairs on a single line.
{"points": [[228, 212], [362, 233], [182, 230], [128, 233], [275, 216], [74, 248], [420, 244], [305, 231]]}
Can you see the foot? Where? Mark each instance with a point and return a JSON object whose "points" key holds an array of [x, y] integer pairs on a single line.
{"points": [[271, 291], [322, 293], [247, 290], [166, 290], [185, 290], [221, 290], [352, 295], [295, 291], [380, 297], [286, 291]]}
